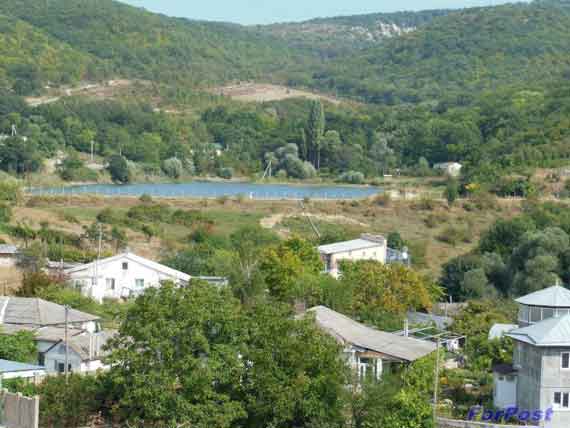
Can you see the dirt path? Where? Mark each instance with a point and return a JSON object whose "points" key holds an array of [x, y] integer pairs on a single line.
{"points": [[275, 219]]}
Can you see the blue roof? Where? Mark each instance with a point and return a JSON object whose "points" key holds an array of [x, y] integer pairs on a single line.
{"points": [[13, 366]]}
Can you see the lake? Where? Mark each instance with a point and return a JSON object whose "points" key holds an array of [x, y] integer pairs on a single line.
{"points": [[208, 189]]}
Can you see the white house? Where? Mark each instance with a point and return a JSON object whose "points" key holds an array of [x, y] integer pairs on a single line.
{"points": [[368, 247], [453, 169], [46, 320], [15, 370], [126, 275], [369, 352]]}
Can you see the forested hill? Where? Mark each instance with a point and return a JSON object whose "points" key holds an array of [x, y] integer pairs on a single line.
{"points": [[331, 37], [460, 53], [131, 42]]}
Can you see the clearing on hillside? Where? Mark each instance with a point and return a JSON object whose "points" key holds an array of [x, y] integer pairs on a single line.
{"points": [[264, 92]]}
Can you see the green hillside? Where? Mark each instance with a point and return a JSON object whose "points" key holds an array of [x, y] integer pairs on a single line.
{"points": [[333, 37], [30, 58], [462, 52], [134, 43]]}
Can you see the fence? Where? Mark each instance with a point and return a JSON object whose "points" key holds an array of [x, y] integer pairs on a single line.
{"points": [[17, 411]]}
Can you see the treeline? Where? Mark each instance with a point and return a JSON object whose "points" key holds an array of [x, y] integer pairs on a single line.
{"points": [[515, 257], [460, 53], [129, 42]]}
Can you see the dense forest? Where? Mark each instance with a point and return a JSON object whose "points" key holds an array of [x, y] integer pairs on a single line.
{"points": [[488, 87]]}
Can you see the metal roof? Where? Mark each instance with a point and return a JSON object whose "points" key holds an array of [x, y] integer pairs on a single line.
{"points": [[343, 247], [38, 312], [553, 332], [8, 249], [499, 330], [555, 297], [350, 332], [7, 366]]}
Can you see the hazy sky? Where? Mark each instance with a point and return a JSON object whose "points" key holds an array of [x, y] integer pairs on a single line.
{"points": [[267, 11]]}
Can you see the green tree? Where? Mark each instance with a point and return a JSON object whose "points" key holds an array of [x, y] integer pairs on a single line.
{"points": [[119, 169], [315, 131], [20, 346], [383, 294], [451, 191], [177, 360]]}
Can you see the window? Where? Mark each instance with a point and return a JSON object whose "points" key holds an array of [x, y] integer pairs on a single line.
{"points": [[565, 360], [535, 314], [41, 359], [110, 283], [60, 367], [125, 266], [562, 400], [139, 283]]}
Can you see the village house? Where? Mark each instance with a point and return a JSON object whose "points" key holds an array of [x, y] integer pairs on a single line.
{"points": [[452, 169], [46, 320], [539, 378], [369, 352], [367, 247], [126, 275], [8, 255]]}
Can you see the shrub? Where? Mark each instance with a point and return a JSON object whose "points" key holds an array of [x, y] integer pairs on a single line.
{"points": [[5, 213], [146, 199], [383, 200], [454, 235], [426, 204], [436, 219], [151, 213], [119, 169], [173, 168], [352, 177], [109, 216], [396, 241], [10, 191], [226, 173]]}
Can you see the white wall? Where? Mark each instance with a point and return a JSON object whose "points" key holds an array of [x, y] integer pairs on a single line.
{"points": [[505, 391], [125, 279], [378, 253]]}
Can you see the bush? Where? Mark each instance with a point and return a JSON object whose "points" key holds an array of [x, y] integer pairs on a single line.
{"points": [[395, 241], [436, 219], [5, 213], [352, 177], [226, 173], [425, 204], [173, 168], [150, 213], [454, 235], [109, 216], [119, 169], [383, 200], [10, 191]]}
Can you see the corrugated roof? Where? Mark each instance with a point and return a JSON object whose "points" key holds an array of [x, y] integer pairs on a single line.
{"points": [[555, 297], [38, 312], [348, 331], [551, 332], [342, 247], [7, 366]]}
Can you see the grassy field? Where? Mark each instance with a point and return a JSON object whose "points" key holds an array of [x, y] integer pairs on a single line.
{"points": [[434, 232]]}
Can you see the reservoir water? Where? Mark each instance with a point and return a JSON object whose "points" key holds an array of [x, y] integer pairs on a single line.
{"points": [[208, 189]]}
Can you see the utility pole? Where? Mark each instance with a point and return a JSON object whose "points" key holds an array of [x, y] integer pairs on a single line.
{"points": [[436, 383], [95, 281], [66, 369], [92, 151]]}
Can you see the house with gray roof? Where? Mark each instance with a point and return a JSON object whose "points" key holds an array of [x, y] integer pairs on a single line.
{"points": [[35, 313], [369, 352], [8, 255], [539, 378], [46, 321], [367, 247]]}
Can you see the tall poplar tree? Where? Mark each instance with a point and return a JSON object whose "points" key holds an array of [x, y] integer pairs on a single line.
{"points": [[316, 130]]}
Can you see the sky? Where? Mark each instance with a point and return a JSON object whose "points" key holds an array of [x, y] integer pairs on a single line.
{"points": [[270, 11]]}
